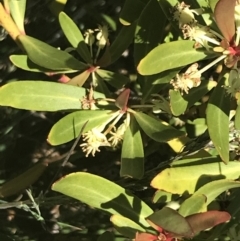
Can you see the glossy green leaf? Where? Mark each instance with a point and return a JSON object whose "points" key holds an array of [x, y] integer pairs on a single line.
{"points": [[114, 79], [49, 57], [213, 189], [23, 62], [103, 194], [190, 178], [161, 58], [212, 4], [149, 30], [192, 205], [42, 96], [57, 6], [179, 103], [22, 181], [69, 127], [156, 129], [126, 226], [217, 116], [79, 79], [106, 236], [171, 221], [132, 158], [131, 11], [122, 41], [154, 83], [74, 36], [17, 8], [237, 118]]}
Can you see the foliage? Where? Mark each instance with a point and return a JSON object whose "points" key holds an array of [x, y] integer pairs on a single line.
{"points": [[185, 84]]}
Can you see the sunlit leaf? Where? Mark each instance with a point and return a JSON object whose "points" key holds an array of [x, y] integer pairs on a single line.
{"points": [[42, 96], [74, 36], [237, 118], [224, 16], [213, 189], [161, 196], [190, 178], [169, 56], [23, 62], [125, 226], [69, 127], [49, 57], [156, 129], [79, 79], [132, 157], [22, 181], [217, 113], [103, 194], [192, 205]]}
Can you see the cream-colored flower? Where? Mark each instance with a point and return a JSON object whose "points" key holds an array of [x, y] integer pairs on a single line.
{"points": [[184, 15], [89, 37], [93, 140], [191, 78], [102, 36]]}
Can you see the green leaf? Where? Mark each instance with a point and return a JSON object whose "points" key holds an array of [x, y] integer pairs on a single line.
{"points": [[126, 226], [122, 41], [156, 129], [106, 236], [213, 189], [179, 103], [171, 221], [132, 158], [114, 79], [69, 127], [212, 4], [22, 181], [171, 55], [178, 180], [49, 57], [163, 197], [192, 205], [154, 83], [75, 37], [17, 8], [149, 30], [237, 118], [217, 113], [23, 62], [131, 11], [79, 79], [103, 194], [42, 96]]}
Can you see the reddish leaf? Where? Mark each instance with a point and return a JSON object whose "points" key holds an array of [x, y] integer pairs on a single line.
{"points": [[202, 221], [224, 16], [122, 100], [145, 237]]}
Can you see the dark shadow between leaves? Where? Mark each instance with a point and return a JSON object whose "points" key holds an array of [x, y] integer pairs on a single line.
{"points": [[131, 211], [204, 179]]}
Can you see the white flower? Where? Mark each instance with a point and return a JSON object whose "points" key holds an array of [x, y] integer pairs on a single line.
{"points": [[191, 78], [89, 37], [94, 139], [102, 36], [184, 15]]}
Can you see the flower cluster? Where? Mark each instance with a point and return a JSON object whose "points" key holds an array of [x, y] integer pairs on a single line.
{"points": [[97, 137], [227, 17]]}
